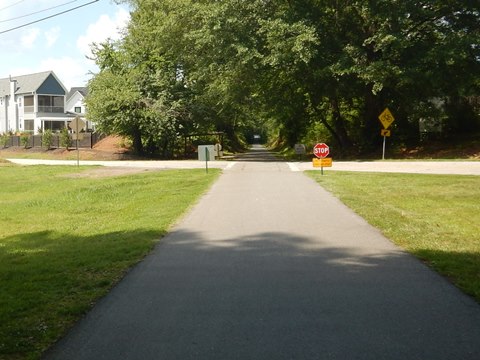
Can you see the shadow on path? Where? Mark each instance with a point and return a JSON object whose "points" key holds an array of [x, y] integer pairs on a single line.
{"points": [[275, 295], [258, 153]]}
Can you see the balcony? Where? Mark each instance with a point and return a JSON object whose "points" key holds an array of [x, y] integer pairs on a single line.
{"points": [[51, 109], [48, 104]]}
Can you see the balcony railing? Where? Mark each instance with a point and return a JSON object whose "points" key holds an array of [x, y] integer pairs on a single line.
{"points": [[51, 109]]}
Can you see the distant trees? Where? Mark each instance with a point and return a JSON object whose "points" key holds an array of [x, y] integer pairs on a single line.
{"points": [[288, 68]]}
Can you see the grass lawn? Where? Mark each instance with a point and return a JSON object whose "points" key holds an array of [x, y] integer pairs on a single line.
{"points": [[66, 240], [434, 217]]}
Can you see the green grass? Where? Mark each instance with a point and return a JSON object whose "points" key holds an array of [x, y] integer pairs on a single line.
{"points": [[435, 217], [65, 241]]}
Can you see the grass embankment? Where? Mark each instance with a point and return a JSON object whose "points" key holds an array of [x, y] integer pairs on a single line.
{"points": [[64, 241], [434, 217]]}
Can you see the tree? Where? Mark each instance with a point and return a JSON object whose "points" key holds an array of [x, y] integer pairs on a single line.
{"points": [[237, 65]]}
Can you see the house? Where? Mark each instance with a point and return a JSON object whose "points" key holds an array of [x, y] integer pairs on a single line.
{"points": [[76, 100], [75, 104], [32, 102]]}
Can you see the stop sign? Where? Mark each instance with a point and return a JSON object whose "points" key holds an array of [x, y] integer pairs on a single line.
{"points": [[321, 150]]}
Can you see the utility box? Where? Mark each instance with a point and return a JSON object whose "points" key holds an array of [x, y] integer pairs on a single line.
{"points": [[206, 152]]}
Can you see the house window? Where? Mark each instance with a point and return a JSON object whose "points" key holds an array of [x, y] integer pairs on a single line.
{"points": [[29, 124], [28, 104], [78, 109], [19, 102], [53, 125]]}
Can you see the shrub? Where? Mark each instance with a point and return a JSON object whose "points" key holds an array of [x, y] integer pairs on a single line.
{"points": [[4, 139], [47, 139], [65, 140], [24, 139]]}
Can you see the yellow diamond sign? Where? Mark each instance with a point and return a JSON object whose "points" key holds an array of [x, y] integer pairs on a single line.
{"points": [[386, 118]]}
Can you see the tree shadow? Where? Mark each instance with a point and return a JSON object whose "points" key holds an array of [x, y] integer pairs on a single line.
{"points": [[49, 279], [275, 295], [258, 154], [460, 267]]}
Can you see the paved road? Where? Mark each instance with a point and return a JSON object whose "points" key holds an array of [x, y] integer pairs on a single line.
{"points": [[419, 167], [270, 266]]}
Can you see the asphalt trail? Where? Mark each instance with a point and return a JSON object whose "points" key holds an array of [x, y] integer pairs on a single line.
{"points": [[271, 266]]}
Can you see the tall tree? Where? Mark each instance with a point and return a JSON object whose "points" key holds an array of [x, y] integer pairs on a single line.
{"points": [[228, 65]]}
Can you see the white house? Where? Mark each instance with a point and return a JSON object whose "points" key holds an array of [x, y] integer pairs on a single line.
{"points": [[32, 102], [76, 100], [75, 104]]}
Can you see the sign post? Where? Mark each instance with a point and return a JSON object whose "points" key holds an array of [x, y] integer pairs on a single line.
{"points": [[321, 151], [386, 118], [77, 125], [207, 155]]}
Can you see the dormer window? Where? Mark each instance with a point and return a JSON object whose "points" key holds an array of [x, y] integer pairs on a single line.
{"points": [[78, 109]]}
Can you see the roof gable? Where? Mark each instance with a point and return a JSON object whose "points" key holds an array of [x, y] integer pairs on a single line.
{"points": [[81, 90], [51, 86], [44, 82]]}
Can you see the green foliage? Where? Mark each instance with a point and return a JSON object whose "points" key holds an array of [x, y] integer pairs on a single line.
{"points": [[284, 67], [24, 137], [4, 138], [47, 139], [65, 140]]}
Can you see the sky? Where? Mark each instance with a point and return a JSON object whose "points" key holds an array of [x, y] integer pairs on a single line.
{"points": [[60, 43]]}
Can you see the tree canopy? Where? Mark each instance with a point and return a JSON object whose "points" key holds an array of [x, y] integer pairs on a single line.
{"points": [[288, 69]]}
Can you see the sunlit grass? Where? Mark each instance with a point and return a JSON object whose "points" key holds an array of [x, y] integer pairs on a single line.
{"points": [[64, 241], [435, 217]]}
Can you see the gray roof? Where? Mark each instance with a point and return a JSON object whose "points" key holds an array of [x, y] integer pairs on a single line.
{"points": [[82, 90], [26, 84]]}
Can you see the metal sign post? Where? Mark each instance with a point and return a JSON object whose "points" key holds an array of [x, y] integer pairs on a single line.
{"points": [[383, 153], [206, 159], [77, 125], [78, 150], [386, 118]]}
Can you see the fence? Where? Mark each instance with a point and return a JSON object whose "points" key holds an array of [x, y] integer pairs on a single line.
{"points": [[34, 141]]}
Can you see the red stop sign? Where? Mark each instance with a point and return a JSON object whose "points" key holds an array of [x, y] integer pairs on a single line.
{"points": [[321, 150]]}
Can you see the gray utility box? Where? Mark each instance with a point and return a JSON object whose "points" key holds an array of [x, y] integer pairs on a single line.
{"points": [[206, 152]]}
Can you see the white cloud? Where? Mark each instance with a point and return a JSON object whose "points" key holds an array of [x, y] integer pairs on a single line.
{"points": [[52, 35], [71, 72], [29, 37], [103, 29]]}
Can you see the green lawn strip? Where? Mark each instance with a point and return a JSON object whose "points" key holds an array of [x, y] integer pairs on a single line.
{"points": [[434, 217], [65, 241]]}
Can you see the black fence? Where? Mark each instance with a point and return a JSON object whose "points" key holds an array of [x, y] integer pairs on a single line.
{"points": [[35, 141]]}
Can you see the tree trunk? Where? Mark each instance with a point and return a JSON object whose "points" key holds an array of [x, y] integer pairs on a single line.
{"points": [[371, 124], [339, 125], [137, 141]]}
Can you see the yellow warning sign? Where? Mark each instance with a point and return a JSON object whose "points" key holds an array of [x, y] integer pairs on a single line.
{"points": [[324, 162], [385, 132], [386, 118]]}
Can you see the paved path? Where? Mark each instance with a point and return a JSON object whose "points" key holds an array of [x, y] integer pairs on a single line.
{"points": [[419, 167], [144, 164], [270, 266]]}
